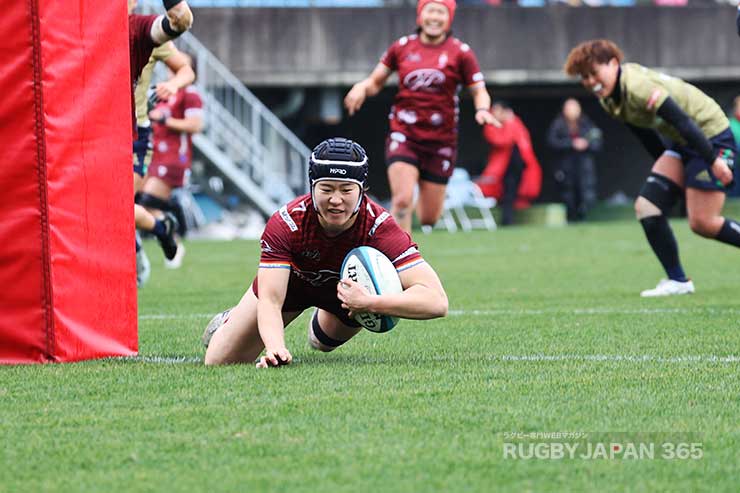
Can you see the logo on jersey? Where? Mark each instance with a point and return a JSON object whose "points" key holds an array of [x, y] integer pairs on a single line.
{"points": [[266, 248], [311, 254], [436, 119], [316, 279], [424, 79], [703, 176], [413, 57], [442, 60]]}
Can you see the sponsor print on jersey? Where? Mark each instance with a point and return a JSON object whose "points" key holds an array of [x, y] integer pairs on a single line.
{"points": [[287, 219], [436, 119], [424, 79], [385, 215]]}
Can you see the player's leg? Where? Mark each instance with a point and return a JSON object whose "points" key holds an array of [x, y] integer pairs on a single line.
{"points": [[326, 331], [403, 175], [403, 178], [431, 201], [659, 194], [155, 197], [705, 216], [436, 165], [233, 337]]}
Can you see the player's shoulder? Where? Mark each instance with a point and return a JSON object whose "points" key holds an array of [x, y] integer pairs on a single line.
{"points": [[459, 44], [290, 216], [377, 217], [406, 40]]}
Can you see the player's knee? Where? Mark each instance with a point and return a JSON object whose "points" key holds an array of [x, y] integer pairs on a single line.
{"points": [[704, 226], [153, 202], [318, 339], [644, 209], [402, 202], [657, 197]]}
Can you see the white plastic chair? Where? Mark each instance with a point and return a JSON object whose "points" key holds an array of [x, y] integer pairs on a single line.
{"points": [[463, 192]]}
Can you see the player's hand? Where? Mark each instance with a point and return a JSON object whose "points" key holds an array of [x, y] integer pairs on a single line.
{"points": [[275, 357], [355, 98], [354, 297], [722, 171], [159, 116], [485, 117], [165, 90]]}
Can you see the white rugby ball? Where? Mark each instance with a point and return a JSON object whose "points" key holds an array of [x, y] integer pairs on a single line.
{"points": [[375, 272]]}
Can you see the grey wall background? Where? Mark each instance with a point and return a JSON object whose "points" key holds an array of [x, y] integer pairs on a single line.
{"points": [[305, 47]]}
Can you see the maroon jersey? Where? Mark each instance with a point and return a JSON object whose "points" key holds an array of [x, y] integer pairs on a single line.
{"points": [[429, 78], [140, 46], [294, 239], [170, 146]]}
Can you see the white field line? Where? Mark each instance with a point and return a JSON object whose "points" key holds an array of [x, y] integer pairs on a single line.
{"points": [[531, 358], [504, 312]]}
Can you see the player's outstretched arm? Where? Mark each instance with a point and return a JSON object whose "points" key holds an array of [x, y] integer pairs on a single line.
{"points": [[183, 76], [366, 87], [423, 296], [177, 20], [273, 286]]}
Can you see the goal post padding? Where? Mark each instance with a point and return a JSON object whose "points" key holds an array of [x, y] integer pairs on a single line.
{"points": [[67, 266]]}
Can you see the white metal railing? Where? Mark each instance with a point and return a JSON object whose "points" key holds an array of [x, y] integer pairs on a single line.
{"points": [[245, 132]]}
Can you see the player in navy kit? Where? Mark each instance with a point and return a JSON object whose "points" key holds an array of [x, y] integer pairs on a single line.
{"points": [[303, 246]]}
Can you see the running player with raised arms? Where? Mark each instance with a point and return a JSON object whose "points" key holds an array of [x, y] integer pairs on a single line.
{"points": [[303, 246], [689, 136], [421, 148]]}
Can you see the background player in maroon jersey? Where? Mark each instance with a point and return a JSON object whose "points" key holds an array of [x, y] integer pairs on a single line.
{"points": [[174, 120], [145, 33], [421, 148], [303, 246]]}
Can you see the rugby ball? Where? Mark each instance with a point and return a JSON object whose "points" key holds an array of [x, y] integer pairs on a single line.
{"points": [[373, 270]]}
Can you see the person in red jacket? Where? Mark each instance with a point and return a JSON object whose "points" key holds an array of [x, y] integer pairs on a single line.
{"points": [[513, 175]]}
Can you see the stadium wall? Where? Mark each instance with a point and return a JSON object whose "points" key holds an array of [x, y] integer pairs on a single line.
{"points": [[334, 47]]}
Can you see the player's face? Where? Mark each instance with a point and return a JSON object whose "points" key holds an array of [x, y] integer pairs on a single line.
{"points": [[336, 201], [435, 20], [602, 78], [131, 5]]}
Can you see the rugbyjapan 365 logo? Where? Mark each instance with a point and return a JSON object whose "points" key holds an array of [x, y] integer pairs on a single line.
{"points": [[424, 79]]}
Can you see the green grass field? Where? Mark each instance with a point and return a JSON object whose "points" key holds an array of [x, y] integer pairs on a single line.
{"points": [[546, 333]]}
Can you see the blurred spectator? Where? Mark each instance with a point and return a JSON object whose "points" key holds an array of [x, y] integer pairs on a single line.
{"points": [[513, 175], [575, 139]]}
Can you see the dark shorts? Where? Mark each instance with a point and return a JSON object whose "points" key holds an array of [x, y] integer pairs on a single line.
{"points": [[435, 161], [299, 298], [142, 150], [174, 175], [696, 169]]}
